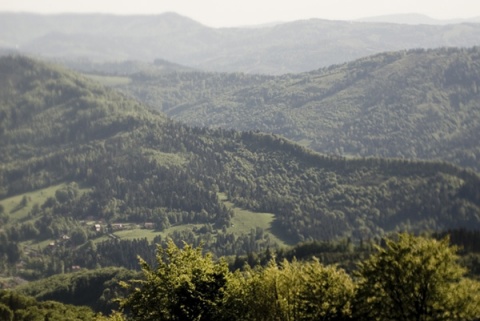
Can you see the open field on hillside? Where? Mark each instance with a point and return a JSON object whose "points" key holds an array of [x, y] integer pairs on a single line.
{"points": [[19, 206], [243, 222]]}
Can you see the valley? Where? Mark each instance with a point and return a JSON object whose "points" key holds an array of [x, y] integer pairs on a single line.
{"points": [[236, 171]]}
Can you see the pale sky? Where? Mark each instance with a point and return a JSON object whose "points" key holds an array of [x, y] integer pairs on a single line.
{"points": [[226, 13]]}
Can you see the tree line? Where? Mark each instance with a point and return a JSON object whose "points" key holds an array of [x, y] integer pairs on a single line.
{"points": [[134, 165], [408, 278], [415, 104]]}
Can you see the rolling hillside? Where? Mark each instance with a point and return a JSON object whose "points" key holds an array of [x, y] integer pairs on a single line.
{"points": [[283, 48], [109, 159], [418, 104]]}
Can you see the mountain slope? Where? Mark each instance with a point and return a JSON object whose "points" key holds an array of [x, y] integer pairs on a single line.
{"points": [[137, 166], [419, 104], [289, 47]]}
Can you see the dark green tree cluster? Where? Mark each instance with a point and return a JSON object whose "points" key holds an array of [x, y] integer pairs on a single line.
{"points": [[17, 307], [98, 289], [341, 196], [409, 278], [66, 255]]}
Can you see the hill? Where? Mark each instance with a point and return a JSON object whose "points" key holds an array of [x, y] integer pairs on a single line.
{"points": [[97, 289], [418, 104], [282, 48], [76, 155]]}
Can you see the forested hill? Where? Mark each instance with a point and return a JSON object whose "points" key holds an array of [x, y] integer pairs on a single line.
{"points": [[121, 162], [297, 46], [419, 104]]}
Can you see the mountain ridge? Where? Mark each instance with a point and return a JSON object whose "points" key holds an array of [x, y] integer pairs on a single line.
{"points": [[297, 46], [416, 104], [416, 18], [138, 166]]}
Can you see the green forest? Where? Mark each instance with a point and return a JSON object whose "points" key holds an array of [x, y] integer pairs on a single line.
{"points": [[91, 179], [415, 104], [406, 278]]}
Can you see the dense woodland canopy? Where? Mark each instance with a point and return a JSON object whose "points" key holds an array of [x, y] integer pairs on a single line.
{"points": [[406, 278], [123, 162], [417, 104], [103, 157], [18, 307], [410, 278]]}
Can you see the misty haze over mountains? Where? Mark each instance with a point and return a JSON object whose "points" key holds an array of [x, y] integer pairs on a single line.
{"points": [[281, 48], [417, 19]]}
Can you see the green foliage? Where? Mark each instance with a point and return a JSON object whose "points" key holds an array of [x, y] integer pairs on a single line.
{"points": [[415, 278], [5, 312], [326, 294], [185, 285], [410, 278], [291, 291], [115, 316], [97, 288], [417, 104], [17, 307], [126, 164]]}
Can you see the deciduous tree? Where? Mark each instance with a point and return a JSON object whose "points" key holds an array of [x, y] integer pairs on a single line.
{"points": [[185, 285], [416, 278]]}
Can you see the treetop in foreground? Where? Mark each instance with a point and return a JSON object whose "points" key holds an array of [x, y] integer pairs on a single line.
{"points": [[416, 278], [410, 278]]}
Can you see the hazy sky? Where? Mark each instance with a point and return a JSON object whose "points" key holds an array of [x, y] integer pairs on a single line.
{"points": [[221, 13]]}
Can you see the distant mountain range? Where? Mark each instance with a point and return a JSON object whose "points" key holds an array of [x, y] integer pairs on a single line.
{"points": [[273, 49], [417, 19]]}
